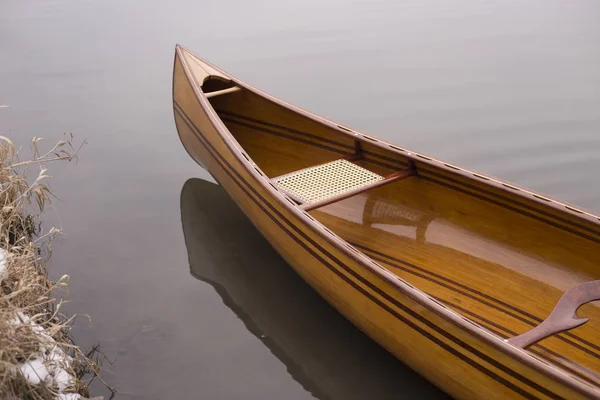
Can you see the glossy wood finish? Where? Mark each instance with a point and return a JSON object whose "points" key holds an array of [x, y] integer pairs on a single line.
{"points": [[564, 316], [439, 268], [496, 284], [282, 311]]}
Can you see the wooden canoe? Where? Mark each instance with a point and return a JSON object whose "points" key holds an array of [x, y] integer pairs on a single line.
{"points": [[443, 267], [226, 251]]}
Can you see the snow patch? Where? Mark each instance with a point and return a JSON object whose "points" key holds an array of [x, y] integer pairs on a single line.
{"points": [[34, 371], [68, 396], [49, 366], [3, 263]]}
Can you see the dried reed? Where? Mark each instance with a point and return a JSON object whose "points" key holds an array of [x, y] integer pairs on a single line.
{"points": [[38, 359]]}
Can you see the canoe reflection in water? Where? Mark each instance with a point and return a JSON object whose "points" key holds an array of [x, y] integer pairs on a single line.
{"points": [[322, 351]]}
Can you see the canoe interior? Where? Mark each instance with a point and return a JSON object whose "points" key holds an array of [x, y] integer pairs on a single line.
{"points": [[500, 260]]}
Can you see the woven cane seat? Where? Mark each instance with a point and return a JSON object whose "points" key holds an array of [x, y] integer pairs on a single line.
{"points": [[326, 180]]}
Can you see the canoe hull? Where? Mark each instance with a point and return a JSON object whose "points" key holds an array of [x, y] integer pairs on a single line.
{"points": [[448, 355]]}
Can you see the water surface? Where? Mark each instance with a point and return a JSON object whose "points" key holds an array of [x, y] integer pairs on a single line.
{"points": [[175, 280]]}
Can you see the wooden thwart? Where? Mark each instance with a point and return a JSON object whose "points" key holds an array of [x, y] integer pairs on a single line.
{"points": [[357, 155], [222, 92]]}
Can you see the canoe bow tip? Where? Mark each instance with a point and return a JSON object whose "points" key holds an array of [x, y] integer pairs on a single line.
{"points": [[202, 68], [180, 49]]}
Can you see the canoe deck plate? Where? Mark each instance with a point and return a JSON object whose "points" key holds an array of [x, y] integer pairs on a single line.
{"points": [[326, 180]]}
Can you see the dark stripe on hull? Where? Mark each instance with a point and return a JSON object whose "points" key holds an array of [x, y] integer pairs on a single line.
{"points": [[522, 212], [271, 132], [487, 323], [425, 274], [440, 176], [285, 128], [357, 287], [507, 333], [347, 149]]}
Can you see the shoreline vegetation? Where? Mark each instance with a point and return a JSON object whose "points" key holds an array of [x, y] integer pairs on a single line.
{"points": [[38, 358]]}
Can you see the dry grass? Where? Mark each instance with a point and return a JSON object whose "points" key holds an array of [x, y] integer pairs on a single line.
{"points": [[26, 301]]}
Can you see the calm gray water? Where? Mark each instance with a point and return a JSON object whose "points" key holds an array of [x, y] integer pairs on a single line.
{"points": [[510, 88]]}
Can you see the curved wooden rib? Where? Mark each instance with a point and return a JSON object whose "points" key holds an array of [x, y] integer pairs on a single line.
{"points": [[564, 316]]}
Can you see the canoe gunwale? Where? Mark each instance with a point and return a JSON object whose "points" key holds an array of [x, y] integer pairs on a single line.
{"points": [[542, 200], [365, 261]]}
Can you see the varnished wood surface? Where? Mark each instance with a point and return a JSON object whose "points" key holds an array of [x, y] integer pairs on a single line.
{"points": [[246, 137], [564, 315], [497, 285], [282, 311]]}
